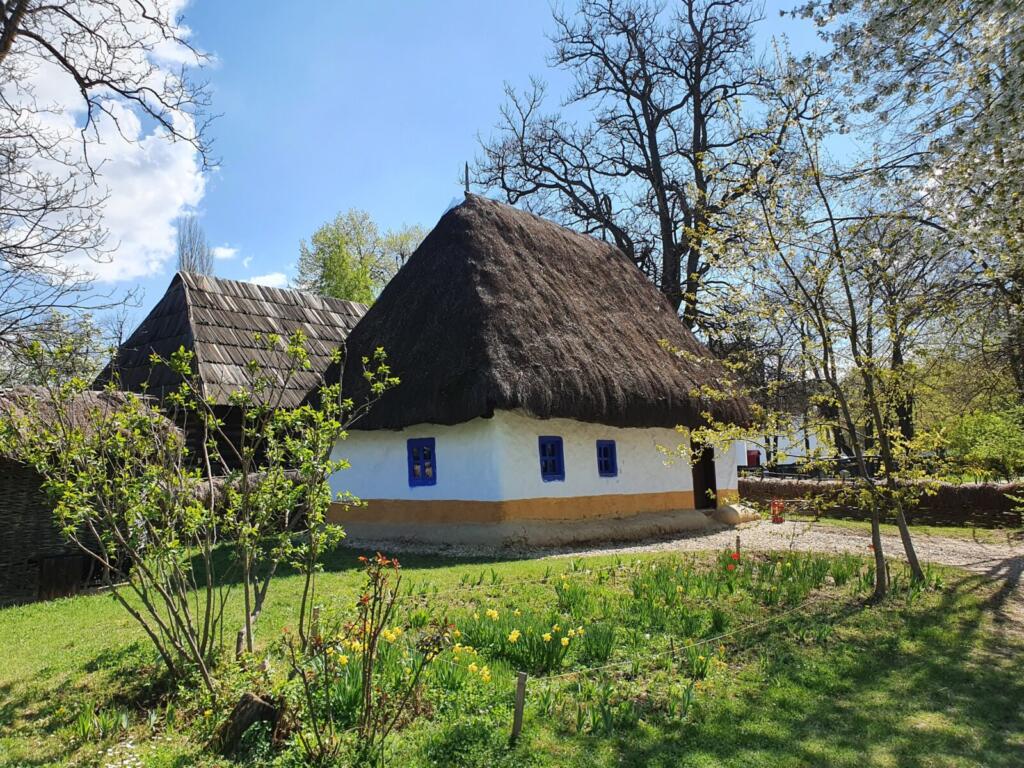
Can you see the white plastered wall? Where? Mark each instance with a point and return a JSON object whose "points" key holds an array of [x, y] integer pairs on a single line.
{"points": [[496, 459]]}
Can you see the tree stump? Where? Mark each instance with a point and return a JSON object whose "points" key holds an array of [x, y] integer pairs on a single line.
{"points": [[250, 709]]}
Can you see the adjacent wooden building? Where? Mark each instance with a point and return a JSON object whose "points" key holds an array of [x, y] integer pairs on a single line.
{"points": [[218, 321]]}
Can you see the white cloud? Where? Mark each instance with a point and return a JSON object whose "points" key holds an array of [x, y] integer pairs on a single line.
{"points": [[224, 252], [273, 279], [246, 262], [147, 179]]}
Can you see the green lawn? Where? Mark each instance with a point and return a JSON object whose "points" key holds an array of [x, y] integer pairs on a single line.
{"points": [[801, 676], [1006, 536]]}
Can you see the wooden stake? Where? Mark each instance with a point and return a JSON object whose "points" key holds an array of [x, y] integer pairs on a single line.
{"points": [[737, 543], [517, 716]]}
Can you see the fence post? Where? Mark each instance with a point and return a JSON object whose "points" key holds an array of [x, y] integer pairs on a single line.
{"points": [[517, 716]]}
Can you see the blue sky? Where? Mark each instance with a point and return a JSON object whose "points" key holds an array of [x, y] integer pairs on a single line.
{"points": [[327, 105]]}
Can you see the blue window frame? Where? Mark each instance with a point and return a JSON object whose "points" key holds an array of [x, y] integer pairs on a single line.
{"points": [[607, 463], [552, 461], [422, 461]]}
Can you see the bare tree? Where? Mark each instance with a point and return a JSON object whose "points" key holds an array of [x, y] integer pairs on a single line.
{"points": [[194, 253], [124, 61], [661, 138]]}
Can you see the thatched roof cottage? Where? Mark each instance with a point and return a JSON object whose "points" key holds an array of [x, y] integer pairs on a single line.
{"points": [[535, 393]]}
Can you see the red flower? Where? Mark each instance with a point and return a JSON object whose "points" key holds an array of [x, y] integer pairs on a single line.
{"points": [[735, 556], [730, 567]]}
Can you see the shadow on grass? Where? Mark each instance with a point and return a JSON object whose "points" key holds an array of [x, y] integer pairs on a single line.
{"points": [[907, 687]]}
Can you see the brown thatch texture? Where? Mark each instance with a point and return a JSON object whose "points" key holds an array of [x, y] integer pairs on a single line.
{"points": [[28, 401], [218, 320], [500, 309]]}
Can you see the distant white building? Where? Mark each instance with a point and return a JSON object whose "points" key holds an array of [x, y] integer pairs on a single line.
{"points": [[797, 444]]}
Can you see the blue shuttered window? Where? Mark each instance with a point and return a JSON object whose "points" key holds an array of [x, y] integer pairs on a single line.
{"points": [[607, 463], [422, 461], [552, 462]]}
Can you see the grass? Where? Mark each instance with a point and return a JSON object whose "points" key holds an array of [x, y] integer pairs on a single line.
{"points": [[802, 674], [1005, 536]]}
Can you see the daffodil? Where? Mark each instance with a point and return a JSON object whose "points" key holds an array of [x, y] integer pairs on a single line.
{"points": [[547, 637], [565, 641], [456, 634], [492, 614], [513, 636], [343, 660], [472, 668]]}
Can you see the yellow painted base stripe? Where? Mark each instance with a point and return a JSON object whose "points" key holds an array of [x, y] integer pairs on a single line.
{"points": [[550, 508], [727, 496]]}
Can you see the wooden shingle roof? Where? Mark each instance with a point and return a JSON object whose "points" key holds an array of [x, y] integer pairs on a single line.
{"points": [[218, 320]]}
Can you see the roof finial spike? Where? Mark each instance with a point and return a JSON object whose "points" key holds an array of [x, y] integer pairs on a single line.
{"points": [[466, 177]]}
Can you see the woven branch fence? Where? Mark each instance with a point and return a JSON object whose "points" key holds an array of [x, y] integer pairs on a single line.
{"points": [[984, 505]]}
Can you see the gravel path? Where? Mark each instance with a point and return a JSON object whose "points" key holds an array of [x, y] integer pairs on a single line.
{"points": [[975, 556], [1000, 563]]}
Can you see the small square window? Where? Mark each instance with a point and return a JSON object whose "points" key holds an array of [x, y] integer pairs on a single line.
{"points": [[607, 464], [422, 461], [552, 463]]}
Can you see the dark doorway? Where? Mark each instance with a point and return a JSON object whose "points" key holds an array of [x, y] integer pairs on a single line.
{"points": [[704, 488]]}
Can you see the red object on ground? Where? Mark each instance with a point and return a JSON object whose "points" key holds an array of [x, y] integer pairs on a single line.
{"points": [[777, 507]]}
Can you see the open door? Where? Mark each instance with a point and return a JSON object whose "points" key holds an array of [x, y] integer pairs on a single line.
{"points": [[704, 487]]}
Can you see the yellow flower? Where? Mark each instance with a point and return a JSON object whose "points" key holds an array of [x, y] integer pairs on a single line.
{"points": [[513, 635], [343, 660], [517, 612], [565, 641], [555, 628], [456, 634], [547, 637], [492, 614], [472, 668], [485, 675], [330, 650], [208, 713], [679, 588], [571, 632], [579, 631]]}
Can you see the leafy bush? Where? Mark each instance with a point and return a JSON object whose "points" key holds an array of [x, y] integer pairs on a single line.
{"points": [[990, 443]]}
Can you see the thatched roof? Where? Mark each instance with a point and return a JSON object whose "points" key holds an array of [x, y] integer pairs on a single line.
{"points": [[500, 309], [32, 402], [218, 319]]}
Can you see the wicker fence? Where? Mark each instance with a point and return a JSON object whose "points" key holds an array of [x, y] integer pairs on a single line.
{"points": [[36, 562], [985, 505]]}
